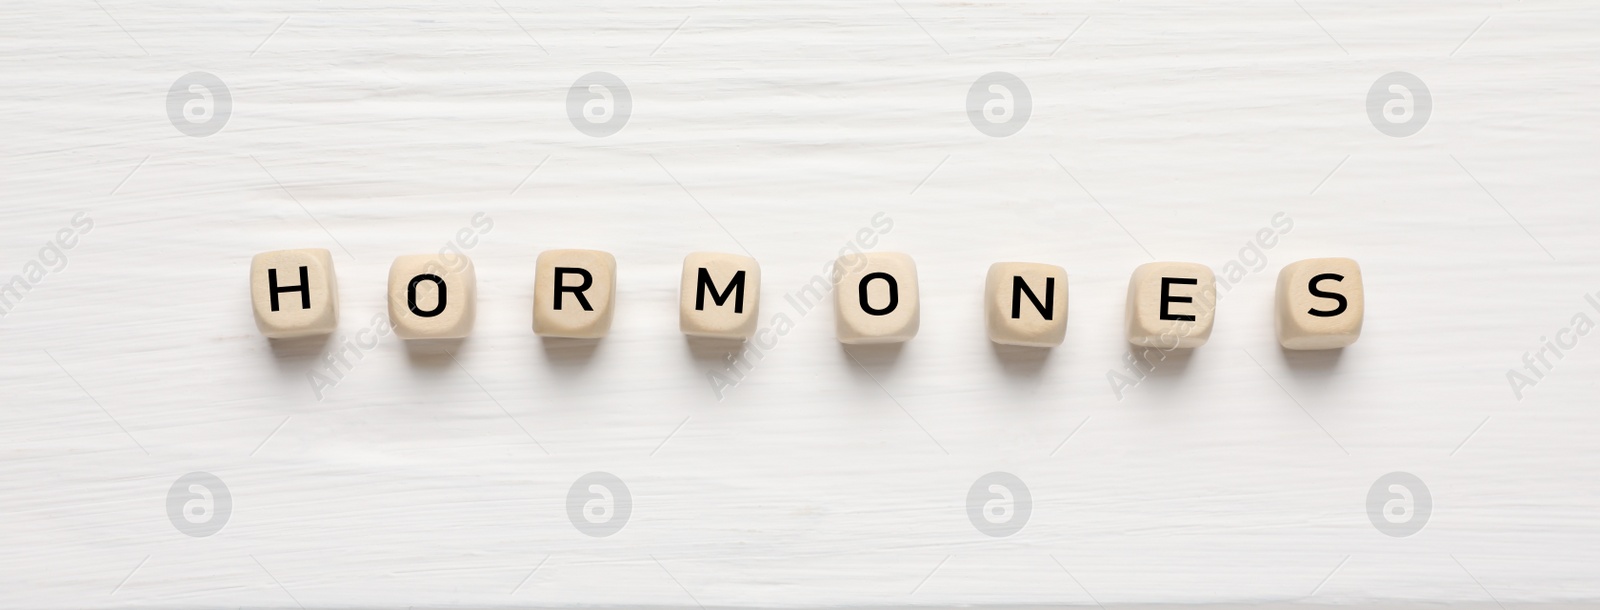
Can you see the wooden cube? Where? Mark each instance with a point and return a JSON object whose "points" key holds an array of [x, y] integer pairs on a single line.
{"points": [[720, 295], [1171, 305], [574, 293], [432, 297], [293, 293], [1026, 304], [875, 298], [1320, 304]]}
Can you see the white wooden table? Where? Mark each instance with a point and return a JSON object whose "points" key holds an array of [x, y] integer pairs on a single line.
{"points": [[440, 475]]}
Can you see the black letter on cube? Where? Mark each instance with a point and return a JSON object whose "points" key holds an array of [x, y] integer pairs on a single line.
{"points": [[1019, 288], [576, 291], [411, 295], [894, 293], [1166, 284], [274, 290], [735, 287]]}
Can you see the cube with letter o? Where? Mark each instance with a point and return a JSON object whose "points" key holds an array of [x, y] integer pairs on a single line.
{"points": [[875, 298], [432, 296]]}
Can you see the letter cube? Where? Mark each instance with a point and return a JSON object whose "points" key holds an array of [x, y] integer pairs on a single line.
{"points": [[1026, 304], [1320, 304], [293, 293], [719, 296], [1171, 305], [432, 297], [875, 298], [574, 293]]}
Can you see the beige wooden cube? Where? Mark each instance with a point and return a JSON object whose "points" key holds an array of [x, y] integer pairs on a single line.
{"points": [[293, 293], [1026, 304], [1171, 305], [574, 293], [1320, 304], [432, 297], [875, 298], [720, 295]]}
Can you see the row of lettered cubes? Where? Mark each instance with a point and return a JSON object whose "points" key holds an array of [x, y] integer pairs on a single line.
{"points": [[1319, 302]]}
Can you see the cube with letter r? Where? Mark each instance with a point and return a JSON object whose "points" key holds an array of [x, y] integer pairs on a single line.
{"points": [[574, 293]]}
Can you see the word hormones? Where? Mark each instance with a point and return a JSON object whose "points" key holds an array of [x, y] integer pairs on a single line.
{"points": [[1320, 302]]}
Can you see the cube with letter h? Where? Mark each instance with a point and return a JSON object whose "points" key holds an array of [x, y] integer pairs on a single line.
{"points": [[293, 293], [875, 298], [1171, 305], [1026, 304], [574, 293], [1320, 304], [719, 296]]}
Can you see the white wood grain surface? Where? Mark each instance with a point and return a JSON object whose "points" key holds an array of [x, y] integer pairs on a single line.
{"points": [[1168, 130]]}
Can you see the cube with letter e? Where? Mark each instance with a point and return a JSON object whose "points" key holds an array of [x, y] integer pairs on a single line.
{"points": [[1171, 305]]}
